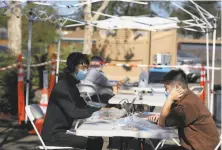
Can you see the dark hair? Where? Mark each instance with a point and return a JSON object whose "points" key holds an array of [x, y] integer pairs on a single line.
{"points": [[176, 76], [97, 58], [75, 59]]}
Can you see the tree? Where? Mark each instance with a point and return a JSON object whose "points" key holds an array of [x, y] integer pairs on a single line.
{"points": [[112, 8], [14, 28], [89, 29], [3, 18], [43, 33], [119, 8], [210, 6], [128, 9]]}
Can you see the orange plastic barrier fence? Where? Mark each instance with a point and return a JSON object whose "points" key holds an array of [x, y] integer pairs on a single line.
{"points": [[20, 86], [203, 82], [52, 75]]}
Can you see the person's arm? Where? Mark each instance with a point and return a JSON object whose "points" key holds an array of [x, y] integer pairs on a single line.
{"points": [[104, 81], [174, 95], [98, 78], [64, 100], [181, 115], [175, 118], [165, 111]]}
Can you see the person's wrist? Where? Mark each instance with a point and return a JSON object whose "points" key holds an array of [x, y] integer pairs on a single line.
{"points": [[119, 82], [170, 100]]}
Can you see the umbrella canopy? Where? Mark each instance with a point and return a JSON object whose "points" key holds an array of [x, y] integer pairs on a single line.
{"points": [[138, 22]]}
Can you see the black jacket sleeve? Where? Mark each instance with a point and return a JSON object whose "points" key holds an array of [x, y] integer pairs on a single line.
{"points": [[65, 101]]}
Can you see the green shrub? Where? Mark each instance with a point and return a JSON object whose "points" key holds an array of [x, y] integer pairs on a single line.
{"points": [[8, 86], [8, 79]]}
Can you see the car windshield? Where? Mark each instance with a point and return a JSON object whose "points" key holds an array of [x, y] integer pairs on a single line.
{"points": [[156, 77], [183, 54]]}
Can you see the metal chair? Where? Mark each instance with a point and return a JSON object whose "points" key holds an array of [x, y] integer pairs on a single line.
{"points": [[219, 144], [88, 90], [162, 141], [35, 112]]}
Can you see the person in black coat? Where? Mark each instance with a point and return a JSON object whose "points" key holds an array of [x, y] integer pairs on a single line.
{"points": [[66, 106]]}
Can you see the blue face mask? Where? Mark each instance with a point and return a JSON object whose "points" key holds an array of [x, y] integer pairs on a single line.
{"points": [[166, 94], [81, 75]]}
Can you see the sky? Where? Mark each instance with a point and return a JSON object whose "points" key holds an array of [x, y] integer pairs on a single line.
{"points": [[66, 11], [72, 2]]}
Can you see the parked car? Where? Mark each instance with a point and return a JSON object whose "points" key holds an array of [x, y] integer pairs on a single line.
{"points": [[3, 48], [186, 59], [151, 79], [155, 78]]}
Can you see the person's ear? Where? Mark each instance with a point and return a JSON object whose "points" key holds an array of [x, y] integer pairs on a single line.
{"points": [[75, 69], [176, 85]]}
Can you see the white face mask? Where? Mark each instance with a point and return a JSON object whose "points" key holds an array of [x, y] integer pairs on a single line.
{"points": [[99, 68]]}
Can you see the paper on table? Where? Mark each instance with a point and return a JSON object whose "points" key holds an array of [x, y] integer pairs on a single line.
{"points": [[109, 114], [133, 123], [144, 115]]}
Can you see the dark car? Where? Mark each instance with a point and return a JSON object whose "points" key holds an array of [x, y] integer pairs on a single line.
{"points": [[3, 48], [187, 59]]}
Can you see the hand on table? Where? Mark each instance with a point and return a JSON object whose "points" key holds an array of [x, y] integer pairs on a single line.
{"points": [[119, 83], [153, 118], [105, 108]]}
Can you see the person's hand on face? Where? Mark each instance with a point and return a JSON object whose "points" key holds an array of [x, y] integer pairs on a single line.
{"points": [[153, 118], [176, 93]]}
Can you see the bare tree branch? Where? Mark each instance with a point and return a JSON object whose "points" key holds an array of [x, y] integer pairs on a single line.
{"points": [[101, 9]]}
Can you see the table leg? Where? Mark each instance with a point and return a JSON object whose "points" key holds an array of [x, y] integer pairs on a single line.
{"points": [[121, 144], [178, 144], [150, 143], [110, 143], [148, 108], [163, 143], [142, 144], [126, 144], [139, 144]]}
